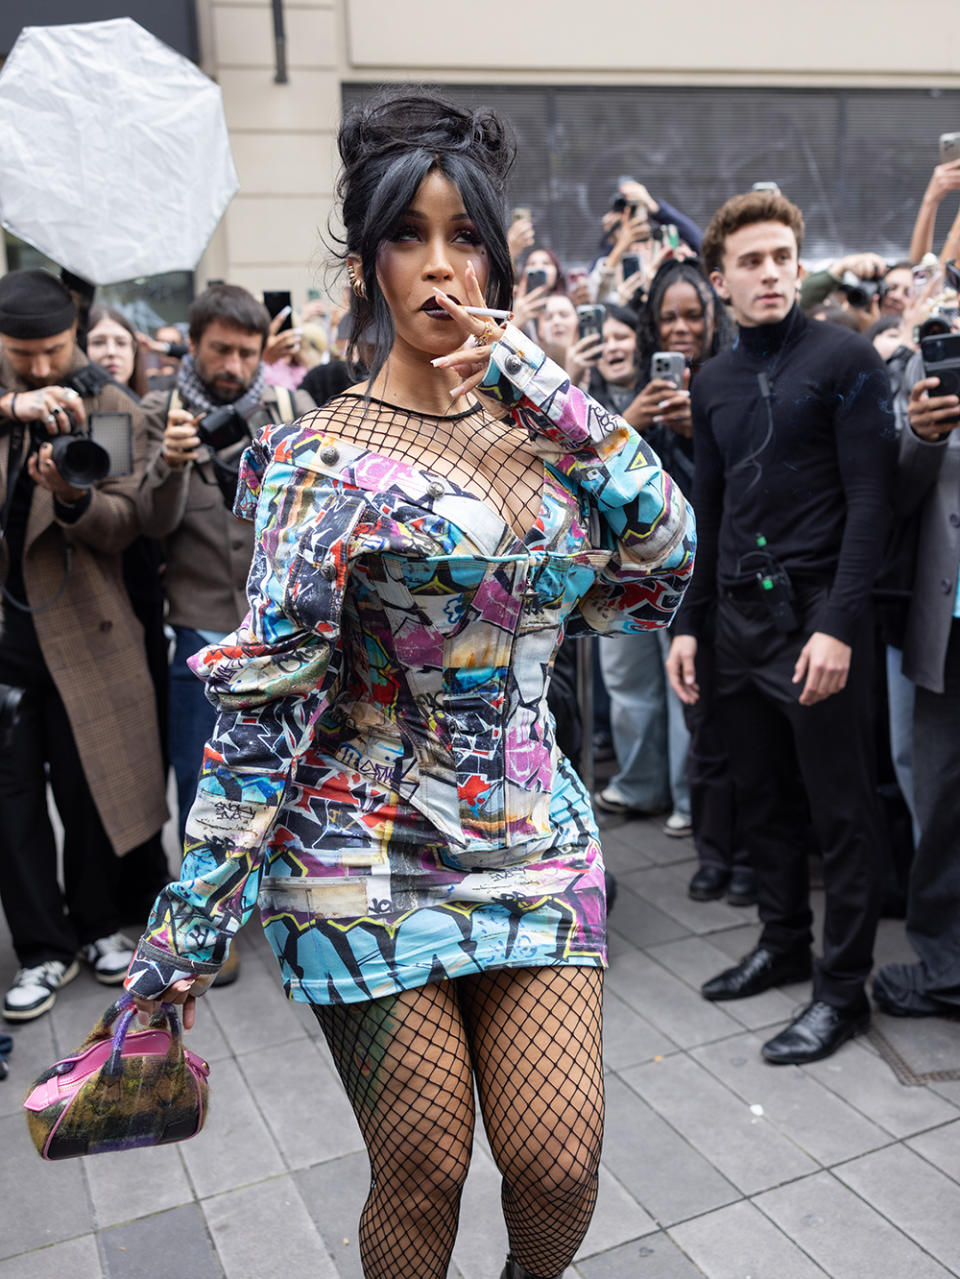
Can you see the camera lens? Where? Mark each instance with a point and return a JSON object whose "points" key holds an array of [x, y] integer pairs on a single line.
{"points": [[80, 461]]}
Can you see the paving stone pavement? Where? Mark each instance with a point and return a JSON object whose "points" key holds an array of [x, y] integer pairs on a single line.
{"points": [[714, 1163]]}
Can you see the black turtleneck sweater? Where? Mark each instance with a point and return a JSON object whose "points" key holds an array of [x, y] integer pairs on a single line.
{"points": [[818, 486]]}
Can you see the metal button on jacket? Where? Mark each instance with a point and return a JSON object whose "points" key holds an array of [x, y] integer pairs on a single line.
{"points": [[435, 489], [513, 364], [328, 570], [329, 455]]}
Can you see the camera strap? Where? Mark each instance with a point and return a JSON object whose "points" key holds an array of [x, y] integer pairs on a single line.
{"points": [[15, 466]]}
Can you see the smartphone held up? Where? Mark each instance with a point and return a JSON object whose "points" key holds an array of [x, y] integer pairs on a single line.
{"points": [[589, 321], [668, 366], [279, 302]]}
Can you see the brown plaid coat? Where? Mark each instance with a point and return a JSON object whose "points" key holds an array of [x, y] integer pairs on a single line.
{"points": [[91, 642]]}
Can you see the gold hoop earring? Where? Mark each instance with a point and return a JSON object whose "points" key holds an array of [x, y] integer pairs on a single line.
{"points": [[356, 282]]}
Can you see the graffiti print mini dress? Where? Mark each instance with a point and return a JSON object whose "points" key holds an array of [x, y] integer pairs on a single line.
{"points": [[383, 779]]}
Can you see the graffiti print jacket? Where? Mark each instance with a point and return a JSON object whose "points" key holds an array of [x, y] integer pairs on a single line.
{"points": [[383, 742]]}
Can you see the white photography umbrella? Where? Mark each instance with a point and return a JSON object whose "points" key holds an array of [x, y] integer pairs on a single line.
{"points": [[114, 156]]}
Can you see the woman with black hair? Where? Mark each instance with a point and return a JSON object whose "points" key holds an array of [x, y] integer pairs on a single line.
{"points": [[666, 750], [383, 777], [682, 313]]}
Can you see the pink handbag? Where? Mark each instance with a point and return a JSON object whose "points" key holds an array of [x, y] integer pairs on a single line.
{"points": [[121, 1089]]}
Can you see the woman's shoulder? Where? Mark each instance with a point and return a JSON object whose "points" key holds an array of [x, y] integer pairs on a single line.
{"points": [[300, 442]]}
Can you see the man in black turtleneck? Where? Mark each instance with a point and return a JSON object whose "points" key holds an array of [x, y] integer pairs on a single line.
{"points": [[796, 457]]}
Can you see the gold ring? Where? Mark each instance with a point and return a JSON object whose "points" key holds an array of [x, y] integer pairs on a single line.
{"points": [[487, 334]]}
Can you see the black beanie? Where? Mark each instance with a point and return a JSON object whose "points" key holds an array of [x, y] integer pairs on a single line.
{"points": [[34, 304]]}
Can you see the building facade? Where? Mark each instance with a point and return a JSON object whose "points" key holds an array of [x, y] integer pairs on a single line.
{"points": [[843, 106]]}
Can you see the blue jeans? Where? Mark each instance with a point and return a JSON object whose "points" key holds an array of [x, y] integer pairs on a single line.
{"points": [[900, 700], [646, 719], [192, 720]]}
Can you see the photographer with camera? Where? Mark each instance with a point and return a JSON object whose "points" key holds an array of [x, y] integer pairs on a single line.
{"points": [[928, 486], [75, 693], [795, 461], [854, 282], [196, 434]]}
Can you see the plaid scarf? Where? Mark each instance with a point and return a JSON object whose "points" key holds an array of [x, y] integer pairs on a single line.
{"points": [[196, 395]]}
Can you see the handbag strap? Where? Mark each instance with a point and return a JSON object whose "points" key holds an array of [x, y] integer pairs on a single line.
{"points": [[115, 1025]]}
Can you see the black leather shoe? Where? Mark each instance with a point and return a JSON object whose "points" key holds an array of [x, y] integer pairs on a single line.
{"points": [[742, 889], [816, 1033], [758, 971], [708, 884]]}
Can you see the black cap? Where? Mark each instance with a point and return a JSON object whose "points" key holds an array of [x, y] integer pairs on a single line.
{"points": [[34, 304]]}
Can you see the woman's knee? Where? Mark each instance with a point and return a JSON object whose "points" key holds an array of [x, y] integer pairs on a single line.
{"points": [[560, 1176], [424, 1170]]}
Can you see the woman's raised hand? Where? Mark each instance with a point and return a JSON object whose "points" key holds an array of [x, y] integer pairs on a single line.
{"points": [[480, 336]]}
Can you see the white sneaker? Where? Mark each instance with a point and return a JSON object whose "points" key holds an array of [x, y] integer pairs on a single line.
{"points": [[678, 825], [110, 958], [34, 990]]}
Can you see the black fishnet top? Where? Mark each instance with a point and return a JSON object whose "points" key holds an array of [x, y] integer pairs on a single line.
{"points": [[483, 453]]}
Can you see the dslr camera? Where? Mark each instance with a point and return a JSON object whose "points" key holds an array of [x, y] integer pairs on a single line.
{"points": [[80, 459], [859, 293], [223, 427]]}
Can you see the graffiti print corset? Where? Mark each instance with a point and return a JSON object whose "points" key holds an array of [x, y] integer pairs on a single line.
{"points": [[447, 651], [383, 776]]}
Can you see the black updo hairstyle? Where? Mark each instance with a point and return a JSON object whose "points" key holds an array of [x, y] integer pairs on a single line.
{"points": [[388, 146]]}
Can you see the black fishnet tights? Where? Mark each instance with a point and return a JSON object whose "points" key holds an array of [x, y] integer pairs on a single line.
{"points": [[487, 456], [531, 1038]]}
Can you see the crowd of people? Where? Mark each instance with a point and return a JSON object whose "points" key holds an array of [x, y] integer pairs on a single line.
{"points": [[793, 696]]}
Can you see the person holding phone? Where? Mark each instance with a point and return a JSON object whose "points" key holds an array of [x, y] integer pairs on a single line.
{"points": [[678, 751], [944, 180], [207, 551], [74, 682], [928, 481], [631, 238], [383, 775], [542, 278], [604, 359]]}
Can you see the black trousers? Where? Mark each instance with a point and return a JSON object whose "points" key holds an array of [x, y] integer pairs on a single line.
{"points": [[769, 736], [45, 922], [933, 900], [717, 834]]}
